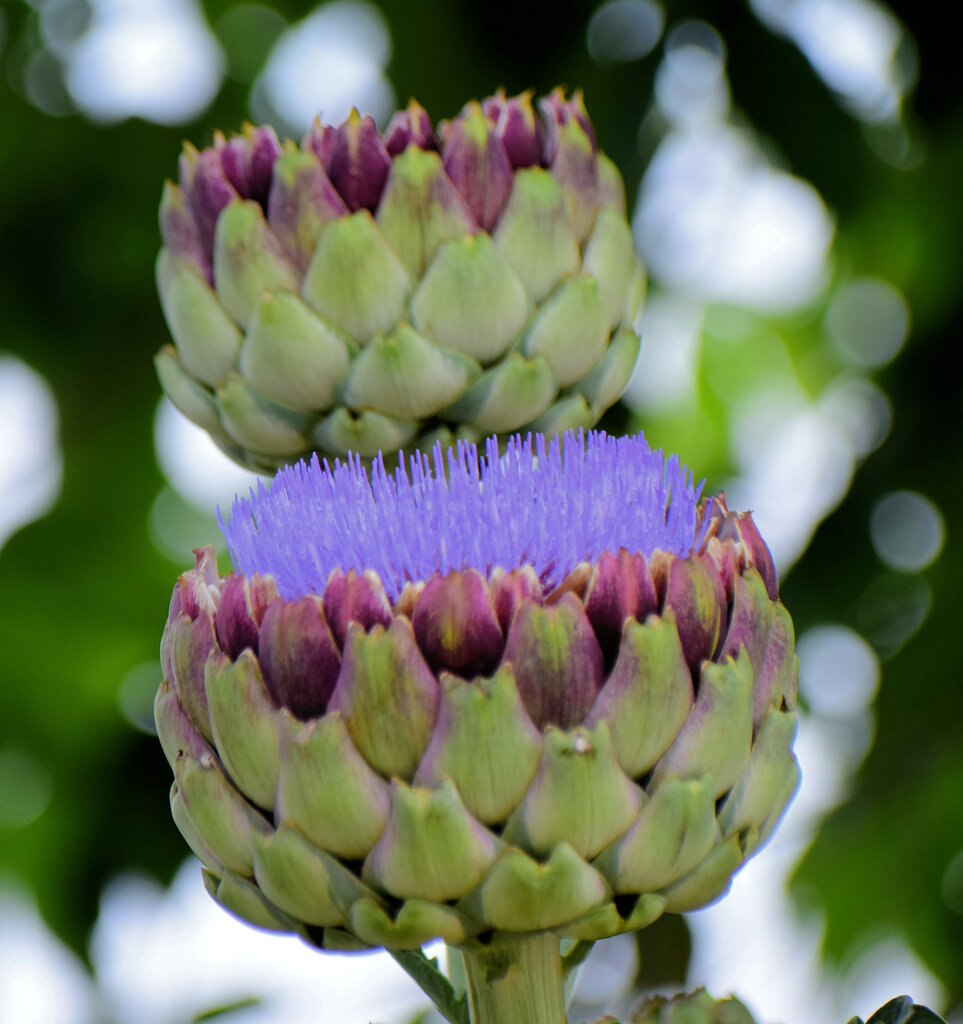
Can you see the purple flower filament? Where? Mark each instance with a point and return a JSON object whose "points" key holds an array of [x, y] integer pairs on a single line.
{"points": [[550, 506]]}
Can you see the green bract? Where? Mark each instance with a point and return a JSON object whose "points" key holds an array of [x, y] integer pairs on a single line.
{"points": [[370, 292], [694, 1008]]}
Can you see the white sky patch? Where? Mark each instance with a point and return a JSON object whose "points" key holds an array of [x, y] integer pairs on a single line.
{"points": [[717, 222], [665, 374], [690, 82], [883, 969], [193, 464], [31, 461], [796, 475], [796, 461], [40, 981], [853, 45], [606, 976], [838, 671], [155, 59], [328, 63], [146, 936]]}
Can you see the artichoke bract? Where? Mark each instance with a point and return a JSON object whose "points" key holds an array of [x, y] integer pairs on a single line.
{"points": [[549, 691], [371, 292], [692, 1008]]}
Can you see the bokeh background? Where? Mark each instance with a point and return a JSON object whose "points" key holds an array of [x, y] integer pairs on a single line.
{"points": [[795, 175]]}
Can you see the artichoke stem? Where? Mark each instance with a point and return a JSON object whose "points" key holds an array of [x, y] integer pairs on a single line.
{"points": [[515, 979]]}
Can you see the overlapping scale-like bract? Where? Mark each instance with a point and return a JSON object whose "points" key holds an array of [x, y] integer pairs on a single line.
{"points": [[480, 753], [370, 291]]}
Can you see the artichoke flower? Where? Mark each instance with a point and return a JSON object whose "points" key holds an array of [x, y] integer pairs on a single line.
{"points": [[533, 696], [371, 292]]}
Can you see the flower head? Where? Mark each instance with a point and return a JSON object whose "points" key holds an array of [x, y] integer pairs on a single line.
{"points": [[540, 691], [366, 291], [545, 504]]}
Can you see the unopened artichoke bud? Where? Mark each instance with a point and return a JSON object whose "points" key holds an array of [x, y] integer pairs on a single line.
{"points": [[693, 1008], [537, 692], [370, 291]]}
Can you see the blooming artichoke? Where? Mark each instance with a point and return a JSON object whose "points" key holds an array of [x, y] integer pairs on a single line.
{"points": [[369, 292], [549, 691]]}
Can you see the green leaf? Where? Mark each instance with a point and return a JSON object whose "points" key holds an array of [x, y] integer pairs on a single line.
{"points": [[902, 1011], [249, 1003], [576, 956], [432, 981]]}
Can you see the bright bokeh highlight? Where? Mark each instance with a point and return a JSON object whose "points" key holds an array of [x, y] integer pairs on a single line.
{"points": [[192, 463], [907, 530], [40, 981], [857, 47], [154, 59], [31, 461], [326, 64]]}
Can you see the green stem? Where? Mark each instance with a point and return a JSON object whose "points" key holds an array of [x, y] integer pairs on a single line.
{"points": [[515, 979], [451, 1004]]}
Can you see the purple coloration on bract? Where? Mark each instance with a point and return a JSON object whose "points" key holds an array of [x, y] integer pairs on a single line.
{"points": [[548, 504]]}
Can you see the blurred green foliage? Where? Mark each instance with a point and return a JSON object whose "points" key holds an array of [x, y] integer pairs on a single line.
{"points": [[83, 592]]}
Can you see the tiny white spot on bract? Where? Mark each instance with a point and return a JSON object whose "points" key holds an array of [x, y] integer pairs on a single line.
{"points": [[582, 745]]}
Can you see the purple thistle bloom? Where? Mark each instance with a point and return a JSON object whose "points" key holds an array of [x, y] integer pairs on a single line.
{"points": [[556, 698], [549, 505]]}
